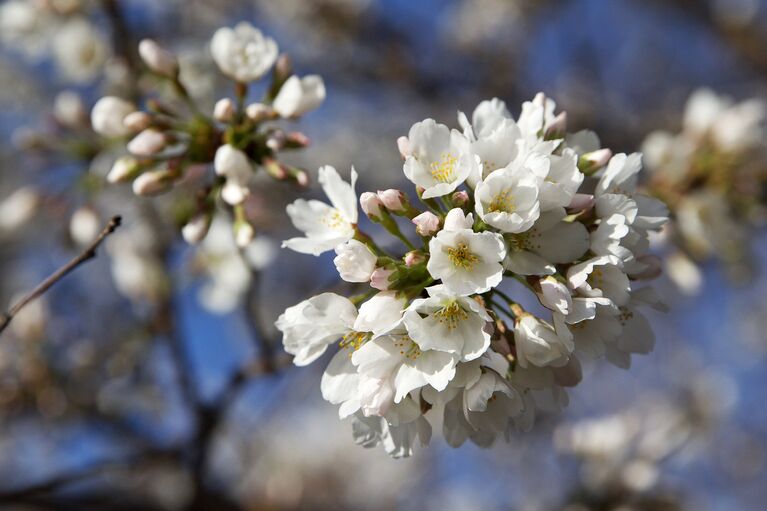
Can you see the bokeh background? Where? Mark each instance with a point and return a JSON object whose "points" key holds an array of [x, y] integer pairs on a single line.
{"points": [[94, 378]]}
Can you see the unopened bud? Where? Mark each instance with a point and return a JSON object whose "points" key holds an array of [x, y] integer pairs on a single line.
{"points": [[371, 205], [137, 121], [296, 139], [557, 127], [581, 202], [393, 200], [595, 160], [84, 226], [380, 279], [283, 68], [158, 59], [258, 112], [147, 143], [224, 110], [69, 109], [426, 224], [124, 168], [197, 228], [403, 144], [153, 182], [414, 258], [460, 199], [108, 115], [275, 169], [302, 178], [276, 140], [243, 234]]}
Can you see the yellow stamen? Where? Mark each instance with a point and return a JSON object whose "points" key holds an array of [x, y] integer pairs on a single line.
{"points": [[462, 257], [503, 202], [451, 315], [407, 347], [443, 170]]}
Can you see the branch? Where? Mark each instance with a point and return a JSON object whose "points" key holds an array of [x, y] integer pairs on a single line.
{"points": [[59, 274]]}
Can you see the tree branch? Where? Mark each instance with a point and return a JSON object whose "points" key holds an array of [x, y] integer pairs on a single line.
{"points": [[84, 257]]}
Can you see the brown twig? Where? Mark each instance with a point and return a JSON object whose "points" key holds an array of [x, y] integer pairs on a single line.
{"points": [[85, 256]]}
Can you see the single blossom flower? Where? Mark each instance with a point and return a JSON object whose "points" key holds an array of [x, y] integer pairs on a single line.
{"points": [[446, 322], [467, 262], [439, 159], [326, 226], [243, 53], [354, 261]]}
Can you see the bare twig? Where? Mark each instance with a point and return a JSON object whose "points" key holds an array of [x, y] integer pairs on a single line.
{"points": [[85, 256]]}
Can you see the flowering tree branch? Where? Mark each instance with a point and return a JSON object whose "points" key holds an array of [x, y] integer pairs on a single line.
{"points": [[84, 257]]}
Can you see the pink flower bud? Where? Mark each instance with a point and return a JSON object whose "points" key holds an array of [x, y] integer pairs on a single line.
{"points": [[302, 178], [380, 278], [297, 139], [460, 198], [137, 121], [124, 168], [558, 125], [147, 143], [413, 258], [581, 202], [158, 59], [276, 141], [153, 182], [426, 224], [371, 205], [403, 144], [197, 228], [598, 158], [243, 234], [258, 112], [392, 199], [223, 111]]}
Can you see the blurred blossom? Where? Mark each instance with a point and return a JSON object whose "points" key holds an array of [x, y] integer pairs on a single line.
{"points": [[137, 271], [229, 269], [712, 175], [18, 208], [31, 322], [80, 50]]}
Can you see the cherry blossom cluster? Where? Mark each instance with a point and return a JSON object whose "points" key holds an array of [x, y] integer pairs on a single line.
{"points": [[533, 243], [712, 175], [170, 143]]}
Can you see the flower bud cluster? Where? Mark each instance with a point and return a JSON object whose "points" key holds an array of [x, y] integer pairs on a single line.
{"points": [[515, 214], [711, 174], [168, 138]]}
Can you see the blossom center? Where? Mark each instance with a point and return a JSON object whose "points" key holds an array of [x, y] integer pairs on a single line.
{"points": [[596, 278], [334, 220], [503, 202], [451, 315], [625, 315], [519, 242], [443, 170], [353, 341], [407, 347], [462, 257]]}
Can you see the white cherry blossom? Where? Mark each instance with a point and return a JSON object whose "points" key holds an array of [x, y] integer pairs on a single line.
{"points": [[467, 262], [326, 225], [439, 159], [243, 53]]}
